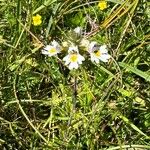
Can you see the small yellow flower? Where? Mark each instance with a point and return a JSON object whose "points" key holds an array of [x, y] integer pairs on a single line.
{"points": [[37, 20], [102, 5]]}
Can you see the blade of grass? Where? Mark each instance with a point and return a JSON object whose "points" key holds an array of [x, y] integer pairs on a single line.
{"points": [[19, 15], [120, 11], [117, 14], [49, 26], [138, 72], [126, 120], [47, 3]]}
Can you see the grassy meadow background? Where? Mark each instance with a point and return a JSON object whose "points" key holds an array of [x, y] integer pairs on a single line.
{"points": [[46, 106]]}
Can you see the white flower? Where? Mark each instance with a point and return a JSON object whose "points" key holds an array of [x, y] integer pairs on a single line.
{"points": [[73, 59], [98, 53], [78, 30], [52, 49]]}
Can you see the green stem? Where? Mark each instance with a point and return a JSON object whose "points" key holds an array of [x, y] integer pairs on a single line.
{"points": [[74, 93]]}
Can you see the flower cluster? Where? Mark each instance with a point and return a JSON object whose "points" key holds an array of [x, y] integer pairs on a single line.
{"points": [[73, 58]]}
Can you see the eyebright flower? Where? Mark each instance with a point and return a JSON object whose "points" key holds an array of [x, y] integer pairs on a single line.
{"points": [[73, 59], [98, 53], [37, 20], [52, 49], [102, 5]]}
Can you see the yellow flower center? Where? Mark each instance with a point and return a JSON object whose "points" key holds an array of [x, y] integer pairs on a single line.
{"points": [[37, 20], [73, 58], [52, 50], [98, 53], [102, 5]]}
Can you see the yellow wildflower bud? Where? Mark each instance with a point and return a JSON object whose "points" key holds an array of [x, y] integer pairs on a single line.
{"points": [[37, 20], [102, 5]]}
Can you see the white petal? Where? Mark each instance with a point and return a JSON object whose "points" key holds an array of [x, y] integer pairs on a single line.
{"points": [[67, 62], [80, 59], [45, 52], [97, 61], [73, 65], [103, 49], [107, 56], [54, 43], [104, 57], [48, 47], [73, 48], [52, 54], [103, 46], [94, 59], [66, 59], [91, 46], [56, 46], [79, 62]]}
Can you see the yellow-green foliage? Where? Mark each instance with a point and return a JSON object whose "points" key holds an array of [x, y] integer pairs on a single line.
{"points": [[99, 105]]}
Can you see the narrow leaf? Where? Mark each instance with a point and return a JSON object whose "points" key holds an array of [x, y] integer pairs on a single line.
{"points": [[138, 72]]}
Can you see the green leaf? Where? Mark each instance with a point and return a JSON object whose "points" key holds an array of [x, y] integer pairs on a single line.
{"points": [[138, 72], [126, 120], [125, 92]]}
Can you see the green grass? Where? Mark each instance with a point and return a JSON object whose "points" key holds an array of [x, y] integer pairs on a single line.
{"points": [[45, 106]]}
